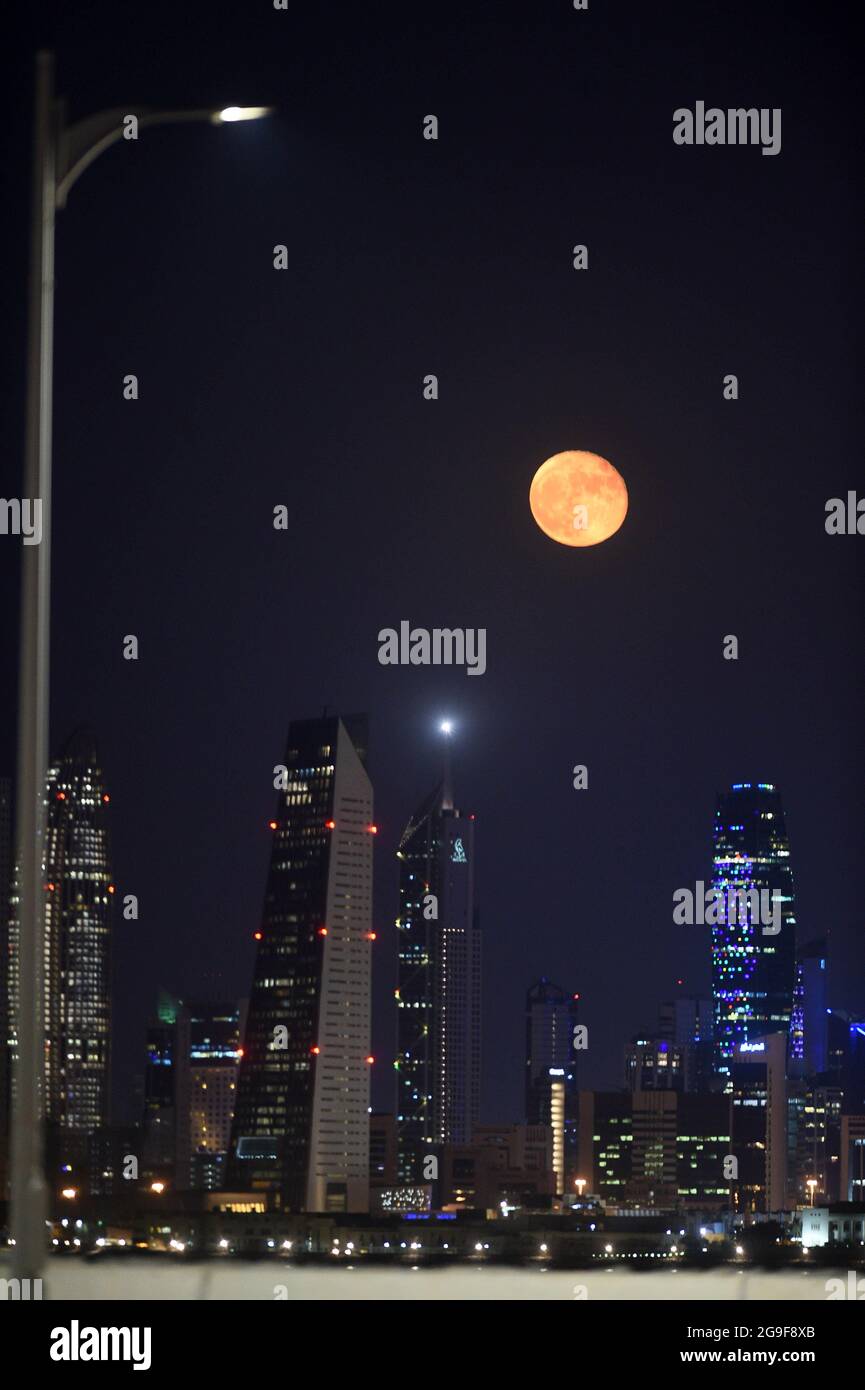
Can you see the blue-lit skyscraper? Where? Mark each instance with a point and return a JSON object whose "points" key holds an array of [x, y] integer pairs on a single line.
{"points": [[753, 957], [808, 1031]]}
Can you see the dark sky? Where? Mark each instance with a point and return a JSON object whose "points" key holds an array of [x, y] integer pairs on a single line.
{"points": [[304, 387]]}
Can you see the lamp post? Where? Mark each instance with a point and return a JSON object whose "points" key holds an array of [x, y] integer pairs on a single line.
{"points": [[61, 153]]}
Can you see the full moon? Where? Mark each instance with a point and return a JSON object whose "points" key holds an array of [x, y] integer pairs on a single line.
{"points": [[578, 498]]}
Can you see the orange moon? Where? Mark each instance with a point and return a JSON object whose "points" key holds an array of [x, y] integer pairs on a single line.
{"points": [[578, 498]]}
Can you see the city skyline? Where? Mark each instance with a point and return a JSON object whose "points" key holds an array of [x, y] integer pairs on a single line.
{"points": [[432, 543]]}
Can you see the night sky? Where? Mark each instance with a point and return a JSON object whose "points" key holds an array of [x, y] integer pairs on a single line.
{"points": [[304, 387]]}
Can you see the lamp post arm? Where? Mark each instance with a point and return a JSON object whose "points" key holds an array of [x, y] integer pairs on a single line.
{"points": [[81, 143]]}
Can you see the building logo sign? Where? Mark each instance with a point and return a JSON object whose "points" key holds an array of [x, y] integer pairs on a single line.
{"points": [[459, 855]]}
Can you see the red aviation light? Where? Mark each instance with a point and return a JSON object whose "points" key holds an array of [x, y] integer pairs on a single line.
{"points": [[373, 829], [106, 797], [330, 825], [315, 1050], [49, 887], [369, 1061], [322, 931], [371, 936], [256, 936], [273, 825], [111, 888], [61, 796]]}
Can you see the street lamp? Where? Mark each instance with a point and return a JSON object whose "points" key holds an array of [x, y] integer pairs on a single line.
{"points": [[61, 153]]}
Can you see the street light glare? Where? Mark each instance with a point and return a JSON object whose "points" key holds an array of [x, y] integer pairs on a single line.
{"points": [[242, 113], [446, 726]]}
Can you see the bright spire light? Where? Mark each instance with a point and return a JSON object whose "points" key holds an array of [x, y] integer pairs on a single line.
{"points": [[242, 113], [446, 726]]}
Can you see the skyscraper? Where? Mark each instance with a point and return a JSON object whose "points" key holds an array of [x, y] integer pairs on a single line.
{"points": [[301, 1123], [438, 991], [208, 1054], [808, 1031], [753, 958], [5, 1057], [552, 1097], [78, 897]]}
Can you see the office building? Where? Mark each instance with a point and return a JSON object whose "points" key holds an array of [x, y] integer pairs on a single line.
{"points": [[301, 1125], [438, 983], [754, 945], [551, 1070]]}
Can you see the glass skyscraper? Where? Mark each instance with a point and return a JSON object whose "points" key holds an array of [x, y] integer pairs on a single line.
{"points": [[438, 990], [78, 911], [753, 969], [301, 1123]]}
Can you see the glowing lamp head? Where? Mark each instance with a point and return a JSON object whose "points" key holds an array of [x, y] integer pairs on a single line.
{"points": [[229, 114], [446, 727]]}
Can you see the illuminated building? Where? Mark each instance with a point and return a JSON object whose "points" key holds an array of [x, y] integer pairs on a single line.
{"points": [[759, 1134], [852, 1178], [753, 969], [808, 1027], [6, 860], [437, 1066], [678, 1055], [814, 1140], [510, 1164], [606, 1142], [208, 1056], [301, 1125], [653, 1064], [159, 1127], [78, 912], [657, 1149], [551, 1070]]}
